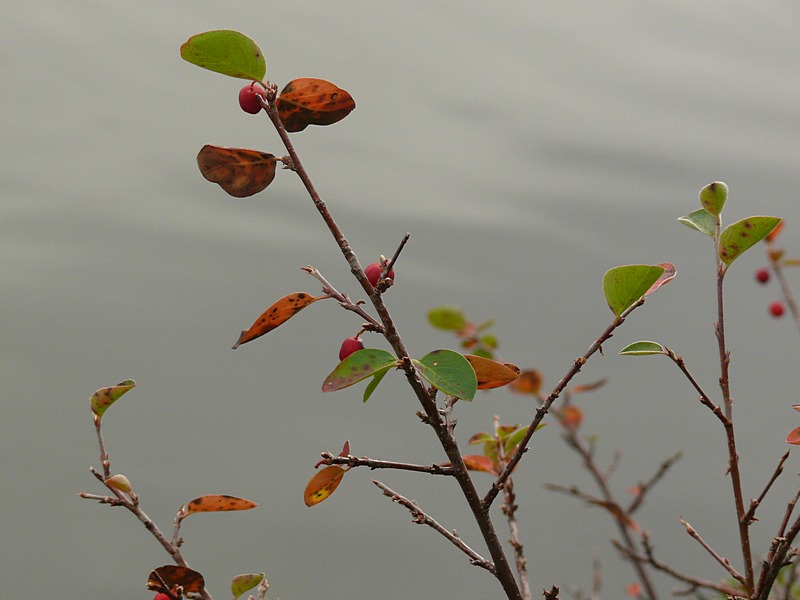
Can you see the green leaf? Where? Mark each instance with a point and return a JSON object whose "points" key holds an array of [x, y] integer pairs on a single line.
{"points": [[642, 349], [245, 582], [105, 397], [357, 367], [740, 236], [623, 286], [713, 196], [514, 439], [376, 380], [449, 372], [447, 317], [227, 52], [702, 221]]}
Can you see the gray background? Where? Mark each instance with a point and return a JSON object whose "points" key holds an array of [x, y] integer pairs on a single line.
{"points": [[528, 147]]}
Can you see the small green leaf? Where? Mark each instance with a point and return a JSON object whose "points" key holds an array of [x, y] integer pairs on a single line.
{"points": [[449, 372], [713, 196], [447, 317], [376, 380], [243, 583], [357, 367], [642, 349], [623, 286], [740, 236], [702, 221], [225, 51], [105, 397], [514, 439]]}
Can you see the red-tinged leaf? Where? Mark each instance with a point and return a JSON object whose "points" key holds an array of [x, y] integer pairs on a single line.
{"points": [[323, 484], [308, 101], [571, 417], [666, 277], [490, 373], [345, 449], [476, 462], [588, 387], [634, 590], [480, 438], [276, 315], [168, 577], [238, 171], [529, 382], [794, 437], [218, 503], [773, 235]]}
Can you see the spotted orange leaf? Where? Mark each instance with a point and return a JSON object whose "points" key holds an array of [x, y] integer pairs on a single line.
{"points": [[794, 437], [276, 315], [323, 484], [218, 503], [238, 171], [168, 577], [309, 101], [490, 373]]}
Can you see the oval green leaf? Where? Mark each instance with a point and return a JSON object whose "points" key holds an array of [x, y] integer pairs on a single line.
{"points": [[244, 582], [702, 221], [225, 51], [642, 348], [713, 196], [447, 317], [357, 367], [449, 372], [740, 236], [623, 286], [105, 397]]}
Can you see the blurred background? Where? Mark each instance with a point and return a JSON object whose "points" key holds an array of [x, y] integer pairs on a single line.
{"points": [[527, 147]]}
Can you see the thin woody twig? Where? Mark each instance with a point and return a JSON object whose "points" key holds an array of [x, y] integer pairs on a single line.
{"points": [[397, 252], [424, 519], [644, 488], [754, 504], [343, 299], [353, 461], [720, 559]]}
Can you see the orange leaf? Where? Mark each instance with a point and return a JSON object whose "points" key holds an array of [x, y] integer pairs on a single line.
{"points": [[772, 235], [794, 437], [323, 484], [276, 315], [218, 503], [528, 382], [309, 101], [172, 576], [588, 387], [476, 462], [238, 171], [633, 590], [571, 417], [490, 373]]}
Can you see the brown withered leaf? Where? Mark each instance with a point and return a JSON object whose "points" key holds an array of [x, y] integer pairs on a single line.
{"points": [[218, 503], [238, 171], [308, 101], [168, 577], [529, 382], [276, 315]]}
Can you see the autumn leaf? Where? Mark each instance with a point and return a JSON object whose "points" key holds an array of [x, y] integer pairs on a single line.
{"points": [[529, 382], [310, 101], [476, 462], [218, 503], [323, 484], [276, 315], [238, 171], [105, 397], [490, 373], [168, 577]]}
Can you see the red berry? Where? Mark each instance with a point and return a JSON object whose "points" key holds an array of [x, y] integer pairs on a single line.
{"points": [[248, 98], [373, 272], [762, 275], [350, 345], [161, 597], [776, 309]]}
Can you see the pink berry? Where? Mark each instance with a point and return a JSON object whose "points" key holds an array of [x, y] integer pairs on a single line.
{"points": [[776, 309], [762, 275], [350, 345], [373, 272], [248, 98]]}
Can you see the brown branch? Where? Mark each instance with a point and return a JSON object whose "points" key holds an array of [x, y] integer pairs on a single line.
{"points": [[343, 300], [552, 594], [720, 559], [644, 488], [754, 504], [353, 461], [423, 518]]}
